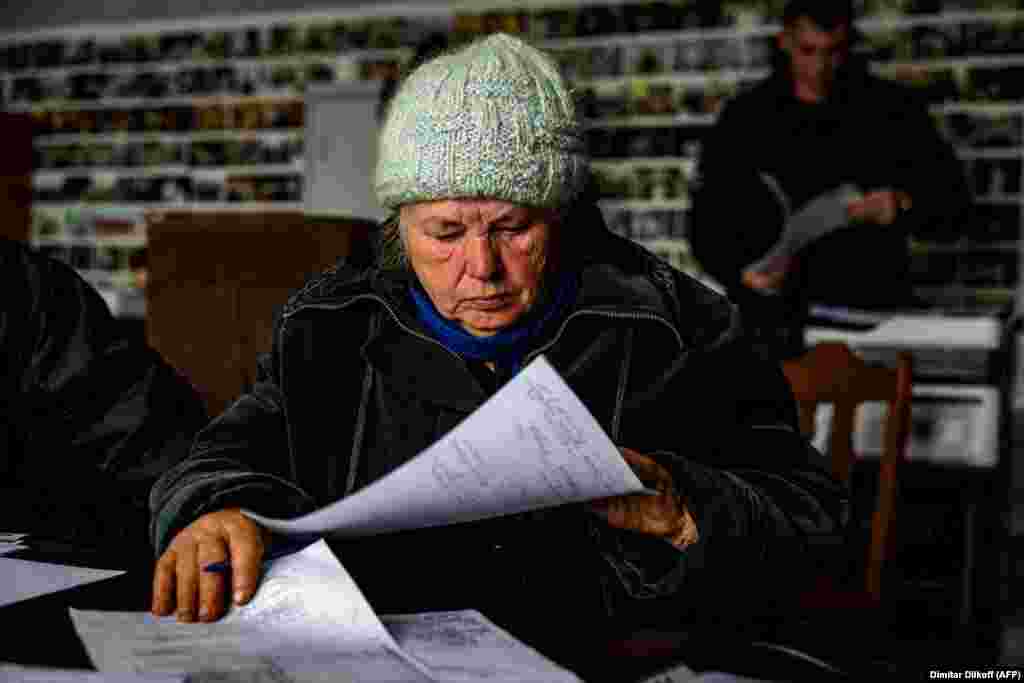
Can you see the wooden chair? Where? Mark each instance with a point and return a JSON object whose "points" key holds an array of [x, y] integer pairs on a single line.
{"points": [[831, 373]]}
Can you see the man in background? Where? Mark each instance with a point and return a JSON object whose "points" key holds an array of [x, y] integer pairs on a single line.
{"points": [[824, 149], [89, 415]]}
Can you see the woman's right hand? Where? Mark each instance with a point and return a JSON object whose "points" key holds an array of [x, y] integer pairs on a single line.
{"points": [[181, 585]]}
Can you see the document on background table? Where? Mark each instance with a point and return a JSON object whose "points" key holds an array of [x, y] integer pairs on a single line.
{"points": [[309, 622], [818, 217], [531, 445], [24, 579]]}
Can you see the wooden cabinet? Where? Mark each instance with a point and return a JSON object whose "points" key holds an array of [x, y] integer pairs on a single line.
{"points": [[217, 280]]}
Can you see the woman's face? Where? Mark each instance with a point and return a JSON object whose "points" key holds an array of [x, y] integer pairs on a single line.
{"points": [[481, 261]]}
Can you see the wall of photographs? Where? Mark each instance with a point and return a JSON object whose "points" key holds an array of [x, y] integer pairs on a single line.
{"points": [[209, 115]]}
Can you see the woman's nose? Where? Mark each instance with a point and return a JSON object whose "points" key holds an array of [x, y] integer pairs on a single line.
{"points": [[482, 258]]}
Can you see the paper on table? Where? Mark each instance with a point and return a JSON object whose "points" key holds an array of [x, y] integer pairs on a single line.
{"points": [[23, 579], [12, 673], [531, 445], [307, 619], [309, 622], [817, 218], [466, 646]]}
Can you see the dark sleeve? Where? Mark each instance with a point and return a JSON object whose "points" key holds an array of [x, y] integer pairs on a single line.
{"points": [[736, 217], [926, 167], [244, 457], [768, 512], [98, 414]]}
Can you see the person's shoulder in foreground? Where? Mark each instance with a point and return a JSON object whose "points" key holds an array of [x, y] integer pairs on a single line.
{"points": [[91, 415]]}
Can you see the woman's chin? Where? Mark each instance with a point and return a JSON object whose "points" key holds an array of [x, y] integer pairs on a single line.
{"points": [[489, 324]]}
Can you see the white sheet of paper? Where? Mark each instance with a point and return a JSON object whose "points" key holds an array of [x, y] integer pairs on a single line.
{"points": [[11, 536], [465, 646], [13, 673], [8, 548], [24, 579], [307, 620], [531, 445]]}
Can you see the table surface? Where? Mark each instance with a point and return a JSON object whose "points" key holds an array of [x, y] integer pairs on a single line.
{"points": [[38, 632]]}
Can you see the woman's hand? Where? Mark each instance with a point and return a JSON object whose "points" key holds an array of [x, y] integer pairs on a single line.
{"points": [[181, 585], [663, 515]]}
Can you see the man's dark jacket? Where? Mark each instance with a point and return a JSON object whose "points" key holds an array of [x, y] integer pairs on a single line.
{"points": [[354, 387], [89, 416], [871, 133]]}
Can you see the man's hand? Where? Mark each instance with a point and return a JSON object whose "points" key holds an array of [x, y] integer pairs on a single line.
{"points": [[881, 207], [770, 280], [663, 515], [180, 583]]}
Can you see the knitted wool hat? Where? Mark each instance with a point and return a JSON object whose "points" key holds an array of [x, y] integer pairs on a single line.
{"points": [[493, 120]]}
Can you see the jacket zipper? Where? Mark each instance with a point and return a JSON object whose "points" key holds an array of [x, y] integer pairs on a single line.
{"points": [[529, 357], [361, 297], [605, 314], [394, 316]]}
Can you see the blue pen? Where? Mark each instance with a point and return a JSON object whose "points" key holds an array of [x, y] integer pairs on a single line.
{"points": [[287, 546]]}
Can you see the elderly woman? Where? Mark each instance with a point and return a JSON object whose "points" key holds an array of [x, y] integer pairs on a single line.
{"points": [[491, 258]]}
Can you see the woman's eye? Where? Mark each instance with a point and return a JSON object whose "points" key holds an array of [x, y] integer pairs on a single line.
{"points": [[447, 237]]}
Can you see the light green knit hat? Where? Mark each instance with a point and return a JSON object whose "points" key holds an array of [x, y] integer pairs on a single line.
{"points": [[493, 120]]}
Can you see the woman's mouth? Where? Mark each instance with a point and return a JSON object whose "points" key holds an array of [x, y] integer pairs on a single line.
{"points": [[487, 303]]}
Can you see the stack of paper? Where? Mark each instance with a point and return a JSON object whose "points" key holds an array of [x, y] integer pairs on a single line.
{"points": [[532, 445], [11, 541], [307, 623]]}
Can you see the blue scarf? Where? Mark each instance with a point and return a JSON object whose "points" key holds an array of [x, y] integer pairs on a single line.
{"points": [[506, 348]]}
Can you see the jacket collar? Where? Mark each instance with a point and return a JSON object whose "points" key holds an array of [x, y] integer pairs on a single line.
{"points": [[615, 281]]}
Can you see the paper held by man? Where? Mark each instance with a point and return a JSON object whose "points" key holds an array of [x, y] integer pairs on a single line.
{"points": [[531, 445], [824, 214]]}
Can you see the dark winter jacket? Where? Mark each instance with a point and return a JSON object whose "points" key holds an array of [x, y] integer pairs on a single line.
{"points": [[354, 387], [89, 415], [871, 133]]}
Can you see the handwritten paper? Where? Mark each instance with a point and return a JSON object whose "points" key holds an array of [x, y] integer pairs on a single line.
{"points": [[309, 622], [24, 579], [531, 445], [466, 646]]}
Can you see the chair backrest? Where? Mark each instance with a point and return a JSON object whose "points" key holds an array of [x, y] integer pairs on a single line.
{"points": [[832, 373]]}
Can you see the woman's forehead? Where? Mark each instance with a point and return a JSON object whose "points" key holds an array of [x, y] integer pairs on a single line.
{"points": [[468, 210]]}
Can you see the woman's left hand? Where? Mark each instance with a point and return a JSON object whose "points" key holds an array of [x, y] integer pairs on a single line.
{"points": [[663, 515]]}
